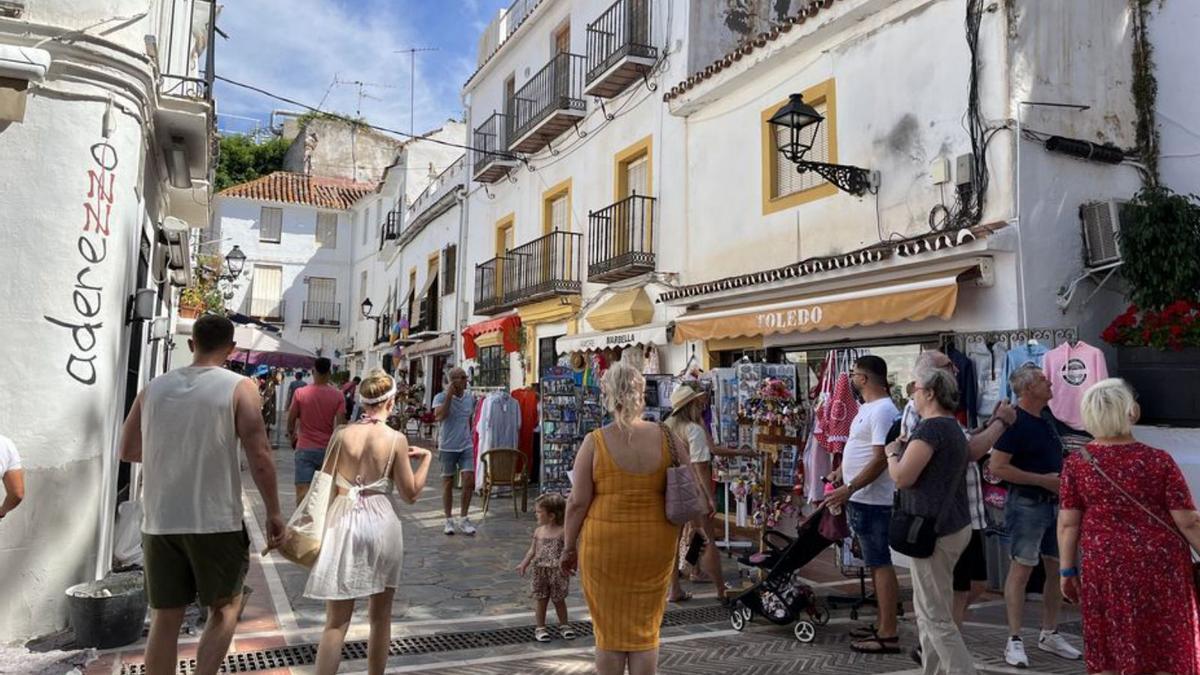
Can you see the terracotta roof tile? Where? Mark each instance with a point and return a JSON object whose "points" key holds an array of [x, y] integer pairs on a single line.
{"points": [[752, 43], [298, 188]]}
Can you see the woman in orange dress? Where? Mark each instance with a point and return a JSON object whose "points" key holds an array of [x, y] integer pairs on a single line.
{"points": [[627, 549]]}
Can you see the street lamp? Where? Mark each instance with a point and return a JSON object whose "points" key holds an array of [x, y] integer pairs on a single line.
{"points": [[367, 306], [236, 261], [803, 122]]}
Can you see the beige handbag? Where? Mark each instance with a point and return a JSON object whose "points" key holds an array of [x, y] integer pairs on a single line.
{"points": [[684, 498], [306, 527]]}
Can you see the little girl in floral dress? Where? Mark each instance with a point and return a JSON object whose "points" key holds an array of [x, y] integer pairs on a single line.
{"points": [[547, 583]]}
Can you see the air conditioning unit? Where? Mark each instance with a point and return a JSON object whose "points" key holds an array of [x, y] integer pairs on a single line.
{"points": [[1101, 230]]}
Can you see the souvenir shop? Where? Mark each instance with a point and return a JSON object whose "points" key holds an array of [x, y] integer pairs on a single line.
{"points": [[798, 388]]}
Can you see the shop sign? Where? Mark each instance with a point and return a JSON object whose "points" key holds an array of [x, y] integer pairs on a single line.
{"points": [[624, 339], [791, 319]]}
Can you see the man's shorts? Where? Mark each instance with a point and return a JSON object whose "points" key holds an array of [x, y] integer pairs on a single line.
{"points": [[182, 567], [1031, 523], [972, 564], [307, 462], [454, 461], [870, 523]]}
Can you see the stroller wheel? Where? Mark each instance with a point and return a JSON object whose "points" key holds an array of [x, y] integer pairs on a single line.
{"points": [[805, 631], [820, 615], [737, 619], [746, 613]]}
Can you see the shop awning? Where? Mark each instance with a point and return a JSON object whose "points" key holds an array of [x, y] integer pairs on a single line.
{"points": [[655, 333], [904, 301], [623, 309], [432, 346], [506, 326]]}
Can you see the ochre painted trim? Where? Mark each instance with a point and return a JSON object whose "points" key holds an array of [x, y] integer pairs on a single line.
{"points": [[509, 221], [643, 147], [826, 93], [554, 192]]}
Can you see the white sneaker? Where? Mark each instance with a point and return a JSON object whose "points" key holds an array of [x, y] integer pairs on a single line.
{"points": [[1051, 641], [1014, 653], [449, 528], [465, 526]]}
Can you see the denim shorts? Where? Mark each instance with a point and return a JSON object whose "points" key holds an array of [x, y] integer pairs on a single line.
{"points": [[1031, 523], [454, 461], [308, 462], [870, 522]]}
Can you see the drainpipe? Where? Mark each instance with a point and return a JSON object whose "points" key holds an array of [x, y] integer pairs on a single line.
{"points": [[460, 265]]}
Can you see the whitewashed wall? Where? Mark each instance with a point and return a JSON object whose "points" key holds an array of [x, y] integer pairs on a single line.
{"points": [[299, 257]]}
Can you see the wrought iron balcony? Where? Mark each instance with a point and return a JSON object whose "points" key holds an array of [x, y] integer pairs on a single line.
{"points": [[322, 314], [622, 240], [492, 160], [270, 311], [619, 49], [543, 268], [548, 104], [390, 229]]}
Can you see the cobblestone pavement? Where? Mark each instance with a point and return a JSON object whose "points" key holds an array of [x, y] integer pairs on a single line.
{"points": [[457, 590]]}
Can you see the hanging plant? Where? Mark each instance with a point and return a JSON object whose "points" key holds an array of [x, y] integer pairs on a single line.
{"points": [[1159, 245]]}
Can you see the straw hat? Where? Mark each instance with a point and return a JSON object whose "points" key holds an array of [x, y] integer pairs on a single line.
{"points": [[683, 395]]}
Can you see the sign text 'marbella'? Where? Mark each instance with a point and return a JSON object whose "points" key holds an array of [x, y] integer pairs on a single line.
{"points": [[789, 319]]}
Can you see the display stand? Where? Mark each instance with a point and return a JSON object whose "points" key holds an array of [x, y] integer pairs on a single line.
{"points": [[569, 412]]}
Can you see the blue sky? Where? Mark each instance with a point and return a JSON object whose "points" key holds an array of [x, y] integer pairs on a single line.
{"points": [[296, 47]]}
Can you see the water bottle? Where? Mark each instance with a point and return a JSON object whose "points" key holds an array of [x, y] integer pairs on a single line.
{"points": [[829, 489]]}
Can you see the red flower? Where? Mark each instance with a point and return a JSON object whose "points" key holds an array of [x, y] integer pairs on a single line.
{"points": [[1176, 331], [1109, 335], [1177, 307], [1131, 310], [1146, 335]]}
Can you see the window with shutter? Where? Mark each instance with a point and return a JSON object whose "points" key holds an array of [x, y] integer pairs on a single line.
{"points": [[266, 292], [449, 268], [787, 180], [327, 230], [559, 216], [270, 225], [321, 306]]}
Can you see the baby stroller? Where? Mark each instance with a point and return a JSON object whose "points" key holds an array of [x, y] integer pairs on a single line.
{"points": [[782, 596]]}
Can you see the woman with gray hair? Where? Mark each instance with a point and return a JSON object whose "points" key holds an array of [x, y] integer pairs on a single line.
{"points": [[930, 476], [1127, 508], [617, 532]]}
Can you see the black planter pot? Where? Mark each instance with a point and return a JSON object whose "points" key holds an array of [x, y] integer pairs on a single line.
{"points": [[1167, 383]]}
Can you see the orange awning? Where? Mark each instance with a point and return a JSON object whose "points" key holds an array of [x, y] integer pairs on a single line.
{"points": [[908, 301], [506, 326]]}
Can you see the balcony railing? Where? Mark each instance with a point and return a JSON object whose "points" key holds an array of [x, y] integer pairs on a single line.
{"points": [[489, 290], [548, 104], [622, 240], [492, 159], [516, 15], [619, 49], [264, 309], [543, 268], [322, 314], [390, 229]]}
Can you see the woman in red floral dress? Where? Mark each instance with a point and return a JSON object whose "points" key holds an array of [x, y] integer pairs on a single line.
{"points": [[1135, 584]]}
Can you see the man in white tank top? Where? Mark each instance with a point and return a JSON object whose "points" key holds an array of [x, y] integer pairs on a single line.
{"points": [[185, 428]]}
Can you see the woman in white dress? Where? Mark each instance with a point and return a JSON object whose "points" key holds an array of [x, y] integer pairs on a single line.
{"points": [[363, 548]]}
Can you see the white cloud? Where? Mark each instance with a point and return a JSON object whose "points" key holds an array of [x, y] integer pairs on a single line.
{"points": [[296, 47]]}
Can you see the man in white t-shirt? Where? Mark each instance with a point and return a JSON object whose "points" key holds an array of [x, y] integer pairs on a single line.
{"points": [[13, 476], [866, 492]]}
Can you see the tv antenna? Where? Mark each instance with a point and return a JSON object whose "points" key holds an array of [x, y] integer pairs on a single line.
{"points": [[362, 91], [412, 80]]}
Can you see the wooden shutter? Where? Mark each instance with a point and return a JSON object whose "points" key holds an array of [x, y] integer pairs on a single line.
{"points": [[788, 180], [327, 230], [266, 291], [270, 225]]}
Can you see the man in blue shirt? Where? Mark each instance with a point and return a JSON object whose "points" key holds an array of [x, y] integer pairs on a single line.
{"points": [[1029, 457], [454, 409]]}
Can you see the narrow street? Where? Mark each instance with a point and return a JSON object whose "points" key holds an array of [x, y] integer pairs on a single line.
{"points": [[463, 609]]}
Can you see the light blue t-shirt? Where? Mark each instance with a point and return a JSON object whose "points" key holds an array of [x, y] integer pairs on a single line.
{"points": [[1019, 356], [455, 433]]}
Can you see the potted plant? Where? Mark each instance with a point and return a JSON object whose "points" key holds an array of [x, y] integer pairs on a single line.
{"points": [[1158, 336]]}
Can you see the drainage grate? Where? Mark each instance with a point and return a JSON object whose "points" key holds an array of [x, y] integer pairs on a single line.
{"points": [[304, 655]]}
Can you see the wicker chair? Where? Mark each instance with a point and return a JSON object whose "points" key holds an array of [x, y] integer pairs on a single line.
{"points": [[505, 466]]}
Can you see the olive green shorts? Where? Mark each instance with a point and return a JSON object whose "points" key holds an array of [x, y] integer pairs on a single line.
{"points": [[183, 567]]}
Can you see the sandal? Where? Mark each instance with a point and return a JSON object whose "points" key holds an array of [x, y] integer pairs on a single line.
{"points": [[877, 645], [681, 598], [566, 632], [863, 632], [541, 634]]}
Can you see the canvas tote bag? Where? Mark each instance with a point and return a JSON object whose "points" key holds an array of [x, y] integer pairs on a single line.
{"points": [[306, 527], [684, 499]]}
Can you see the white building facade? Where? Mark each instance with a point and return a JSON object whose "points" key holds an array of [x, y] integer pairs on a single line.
{"points": [[297, 236], [106, 158]]}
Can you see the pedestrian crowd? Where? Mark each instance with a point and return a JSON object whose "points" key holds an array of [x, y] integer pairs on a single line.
{"points": [[1113, 525]]}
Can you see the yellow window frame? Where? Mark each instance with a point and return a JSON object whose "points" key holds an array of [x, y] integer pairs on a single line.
{"points": [[822, 93]]}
